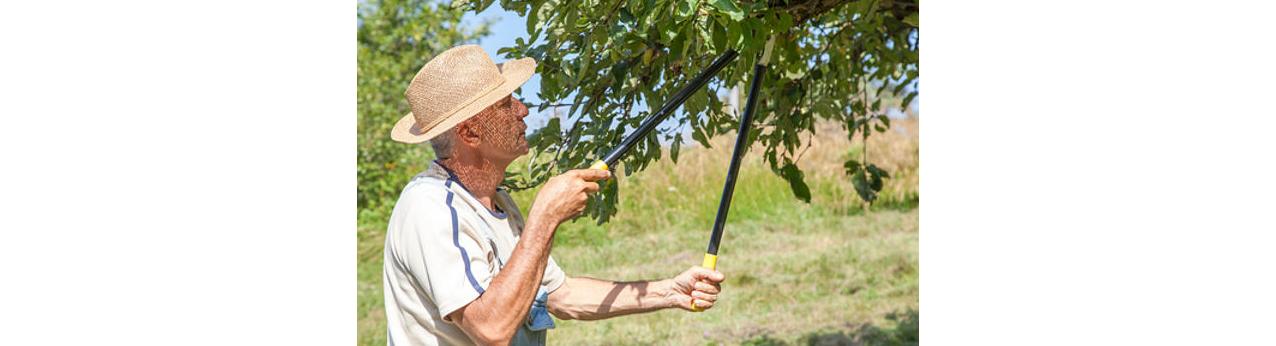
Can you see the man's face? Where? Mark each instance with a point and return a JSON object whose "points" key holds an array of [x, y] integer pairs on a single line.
{"points": [[502, 129]]}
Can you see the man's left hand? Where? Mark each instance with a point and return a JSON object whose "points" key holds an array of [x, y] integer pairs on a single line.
{"points": [[697, 285]]}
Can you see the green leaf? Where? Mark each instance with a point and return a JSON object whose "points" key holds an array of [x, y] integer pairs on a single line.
{"points": [[795, 177], [719, 36], [875, 178], [851, 166], [603, 205], [907, 100], [729, 7], [705, 35], [546, 136], [626, 16], [695, 103], [678, 43], [877, 171], [685, 7], [697, 134], [913, 20], [860, 181], [533, 19], [735, 34], [673, 148]]}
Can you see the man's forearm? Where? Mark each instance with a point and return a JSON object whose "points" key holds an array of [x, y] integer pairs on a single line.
{"points": [[593, 299], [495, 315]]}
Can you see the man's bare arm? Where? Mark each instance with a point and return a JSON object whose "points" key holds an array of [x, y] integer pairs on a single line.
{"points": [[494, 317], [594, 299]]}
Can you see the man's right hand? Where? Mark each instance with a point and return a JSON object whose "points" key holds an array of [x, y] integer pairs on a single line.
{"points": [[564, 196]]}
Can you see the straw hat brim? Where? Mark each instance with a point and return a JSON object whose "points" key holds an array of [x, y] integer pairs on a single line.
{"points": [[515, 72]]}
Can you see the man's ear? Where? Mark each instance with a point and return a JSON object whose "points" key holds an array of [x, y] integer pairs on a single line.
{"points": [[467, 132]]}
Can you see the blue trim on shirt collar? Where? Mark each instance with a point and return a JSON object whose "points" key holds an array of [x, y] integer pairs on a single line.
{"points": [[452, 177]]}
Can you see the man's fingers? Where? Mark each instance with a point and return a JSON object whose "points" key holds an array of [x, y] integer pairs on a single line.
{"points": [[591, 174], [591, 187], [702, 304], [701, 273], [704, 296], [702, 286]]}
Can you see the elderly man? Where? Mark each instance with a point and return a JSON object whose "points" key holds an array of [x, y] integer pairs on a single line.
{"points": [[462, 264]]}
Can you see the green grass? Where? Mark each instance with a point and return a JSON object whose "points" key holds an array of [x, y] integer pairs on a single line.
{"points": [[828, 272], [786, 278]]}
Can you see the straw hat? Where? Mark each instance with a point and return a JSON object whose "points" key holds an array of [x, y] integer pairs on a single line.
{"points": [[455, 86]]}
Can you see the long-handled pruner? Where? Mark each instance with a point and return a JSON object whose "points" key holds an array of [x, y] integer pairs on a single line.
{"points": [[741, 146], [650, 123]]}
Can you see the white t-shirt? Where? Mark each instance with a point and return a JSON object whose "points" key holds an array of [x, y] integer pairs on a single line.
{"points": [[442, 249]]}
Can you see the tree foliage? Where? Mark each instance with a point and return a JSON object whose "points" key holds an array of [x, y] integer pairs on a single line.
{"points": [[617, 61], [396, 38]]}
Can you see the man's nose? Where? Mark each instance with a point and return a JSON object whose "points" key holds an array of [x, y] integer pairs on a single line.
{"points": [[521, 109]]}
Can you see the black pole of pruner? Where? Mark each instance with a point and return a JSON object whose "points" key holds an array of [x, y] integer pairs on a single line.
{"points": [[741, 146], [650, 123]]}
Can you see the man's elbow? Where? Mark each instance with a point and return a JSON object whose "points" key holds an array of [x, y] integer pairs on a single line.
{"points": [[484, 331]]}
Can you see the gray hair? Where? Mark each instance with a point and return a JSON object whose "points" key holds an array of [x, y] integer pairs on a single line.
{"points": [[442, 144]]}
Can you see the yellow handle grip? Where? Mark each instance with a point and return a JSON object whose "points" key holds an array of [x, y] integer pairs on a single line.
{"points": [[711, 262], [599, 165]]}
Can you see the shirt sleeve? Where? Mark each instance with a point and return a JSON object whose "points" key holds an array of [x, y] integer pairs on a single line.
{"points": [[554, 276], [444, 256]]}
